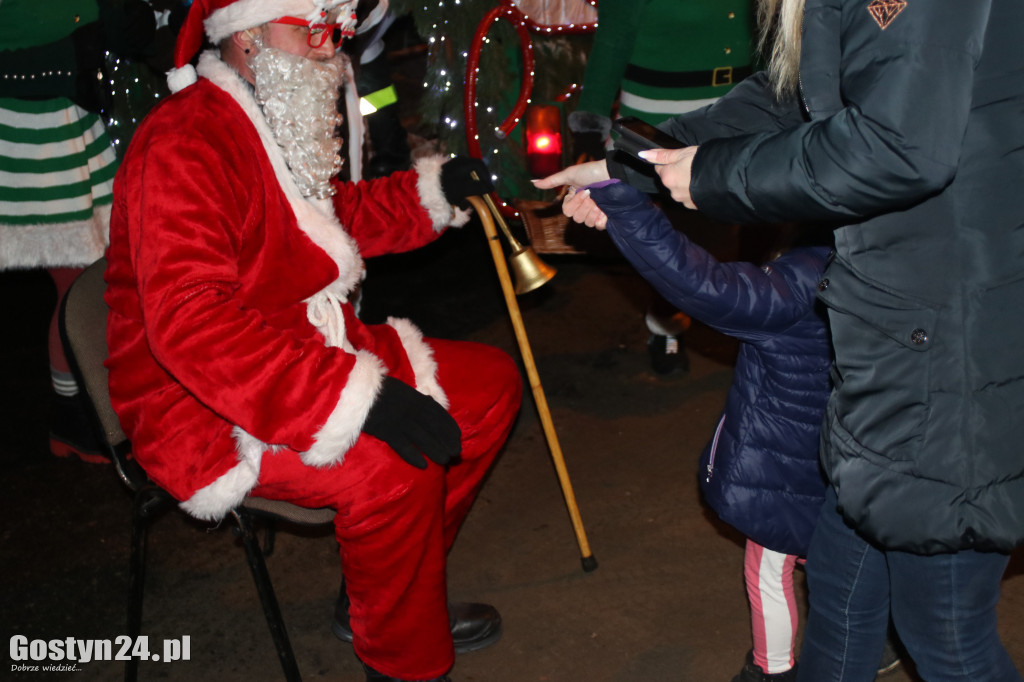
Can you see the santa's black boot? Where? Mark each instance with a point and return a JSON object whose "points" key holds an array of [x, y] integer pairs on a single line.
{"points": [[474, 626]]}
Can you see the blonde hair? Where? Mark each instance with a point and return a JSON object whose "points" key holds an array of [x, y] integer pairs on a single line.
{"points": [[781, 24]]}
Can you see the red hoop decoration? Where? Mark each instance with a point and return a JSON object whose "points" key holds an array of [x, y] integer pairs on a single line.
{"points": [[508, 11], [514, 17]]}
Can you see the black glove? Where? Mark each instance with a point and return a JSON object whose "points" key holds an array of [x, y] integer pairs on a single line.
{"points": [[457, 182], [413, 425]]}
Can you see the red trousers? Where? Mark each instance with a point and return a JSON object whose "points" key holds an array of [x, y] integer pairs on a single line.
{"points": [[395, 523]]}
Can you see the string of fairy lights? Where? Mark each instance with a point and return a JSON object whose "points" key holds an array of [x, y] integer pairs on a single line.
{"points": [[481, 76], [132, 92], [447, 27]]}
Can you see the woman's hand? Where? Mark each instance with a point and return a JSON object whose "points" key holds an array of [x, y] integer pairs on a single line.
{"points": [[580, 175], [673, 166], [578, 205]]}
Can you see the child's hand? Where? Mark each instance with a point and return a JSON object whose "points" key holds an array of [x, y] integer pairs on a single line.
{"points": [[580, 207]]}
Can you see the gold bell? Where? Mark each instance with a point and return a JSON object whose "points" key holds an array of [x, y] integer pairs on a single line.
{"points": [[529, 271]]}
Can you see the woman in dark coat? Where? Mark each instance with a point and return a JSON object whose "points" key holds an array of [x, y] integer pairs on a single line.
{"points": [[901, 124]]}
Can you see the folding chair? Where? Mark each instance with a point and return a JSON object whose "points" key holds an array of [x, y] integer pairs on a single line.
{"points": [[83, 324]]}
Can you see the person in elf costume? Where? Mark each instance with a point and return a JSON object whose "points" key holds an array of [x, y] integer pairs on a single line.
{"points": [[657, 59], [237, 363], [662, 58], [57, 159]]}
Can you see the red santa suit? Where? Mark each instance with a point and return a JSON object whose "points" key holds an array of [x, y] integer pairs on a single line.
{"points": [[238, 366]]}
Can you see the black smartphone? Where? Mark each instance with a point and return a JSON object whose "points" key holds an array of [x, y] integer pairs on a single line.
{"points": [[635, 135]]}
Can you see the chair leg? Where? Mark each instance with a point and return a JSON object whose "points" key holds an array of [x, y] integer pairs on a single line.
{"points": [[145, 503], [270, 536], [148, 501], [271, 610]]}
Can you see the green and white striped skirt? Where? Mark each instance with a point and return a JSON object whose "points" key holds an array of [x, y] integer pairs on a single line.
{"points": [[57, 169]]}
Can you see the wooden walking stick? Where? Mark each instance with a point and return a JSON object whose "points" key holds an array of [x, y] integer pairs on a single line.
{"points": [[538, 273]]}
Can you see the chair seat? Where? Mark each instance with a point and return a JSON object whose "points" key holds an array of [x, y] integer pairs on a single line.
{"points": [[286, 511]]}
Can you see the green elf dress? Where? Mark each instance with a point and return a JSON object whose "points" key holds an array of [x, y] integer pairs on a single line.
{"points": [[57, 163]]}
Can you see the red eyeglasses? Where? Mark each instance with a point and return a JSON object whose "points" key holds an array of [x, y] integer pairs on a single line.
{"points": [[316, 34]]}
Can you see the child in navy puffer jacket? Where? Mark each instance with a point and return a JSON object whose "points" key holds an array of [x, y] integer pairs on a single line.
{"points": [[760, 471]]}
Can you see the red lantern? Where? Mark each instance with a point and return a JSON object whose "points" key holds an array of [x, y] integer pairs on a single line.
{"points": [[543, 140]]}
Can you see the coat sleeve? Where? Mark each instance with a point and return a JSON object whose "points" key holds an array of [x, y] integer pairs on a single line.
{"points": [[397, 213], [904, 93], [259, 366], [737, 298], [749, 107]]}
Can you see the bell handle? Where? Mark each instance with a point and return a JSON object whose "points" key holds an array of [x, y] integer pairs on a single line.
{"points": [[485, 209], [516, 246]]}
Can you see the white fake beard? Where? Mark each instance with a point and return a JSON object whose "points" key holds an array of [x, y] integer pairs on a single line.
{"points": [[299, 101]]}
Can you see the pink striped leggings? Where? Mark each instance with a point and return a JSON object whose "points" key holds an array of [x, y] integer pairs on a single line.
{"points": [[773, 614]]}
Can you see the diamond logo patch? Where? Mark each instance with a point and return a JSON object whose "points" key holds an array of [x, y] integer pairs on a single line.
{"points": [[884, 11]]}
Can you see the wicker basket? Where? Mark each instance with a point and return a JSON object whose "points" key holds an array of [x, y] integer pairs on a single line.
{"points": [[547, 228]]}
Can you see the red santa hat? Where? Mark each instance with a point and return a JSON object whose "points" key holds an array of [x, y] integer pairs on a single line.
{"points": [[218, 19]]}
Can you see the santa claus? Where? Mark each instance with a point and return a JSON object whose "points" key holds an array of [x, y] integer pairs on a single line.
{"points": [[237, 363]]}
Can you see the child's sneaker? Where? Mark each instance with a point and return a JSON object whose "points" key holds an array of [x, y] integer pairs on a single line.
{"points": [[753, 673]]}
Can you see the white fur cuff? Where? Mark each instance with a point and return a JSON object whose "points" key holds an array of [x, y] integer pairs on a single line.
{"points": [[421, 357], [214, 501], [346, 420], [428, 184]]}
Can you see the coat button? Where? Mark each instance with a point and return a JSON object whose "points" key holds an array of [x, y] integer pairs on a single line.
{"points": [[823, 284], [919, 337]]}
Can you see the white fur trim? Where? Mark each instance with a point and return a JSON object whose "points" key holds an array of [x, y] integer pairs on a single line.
{"points": [[315, 218], [421, 357], [55, 245], [180, 78], [214, 501], [428, 184], [346, 421], [460, 217], [244, 14]]}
